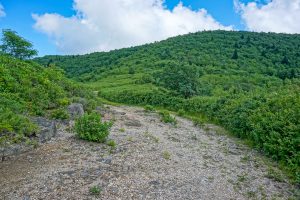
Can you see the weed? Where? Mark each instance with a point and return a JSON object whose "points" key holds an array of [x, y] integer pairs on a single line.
{"points": [[245, 159], [151, 136], [275, 175], [242, 177], [149, 108], [167, 118], [122, 130], [166, 155], [130, 139], [181, 112], [251, 195], [95, 190], [198, 122], [112, 144]]}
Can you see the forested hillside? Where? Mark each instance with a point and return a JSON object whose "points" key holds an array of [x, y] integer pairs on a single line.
{"points": [[247, 82]]}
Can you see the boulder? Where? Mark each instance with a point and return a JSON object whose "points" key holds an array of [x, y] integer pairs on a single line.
{"points": [[75, 110], [47, 128]]}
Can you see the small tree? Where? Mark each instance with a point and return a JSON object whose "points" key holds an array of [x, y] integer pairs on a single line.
{"points": [[16, 46], [235, 55], [180, 78]]}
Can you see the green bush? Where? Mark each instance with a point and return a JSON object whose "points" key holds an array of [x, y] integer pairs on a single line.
{"points": [[167, 118], [95, 190], [181, 112], [149, 108], [60, 114], [90, 127]]}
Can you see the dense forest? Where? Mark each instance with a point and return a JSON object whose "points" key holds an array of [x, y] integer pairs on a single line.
{"points": [[247, 82]]}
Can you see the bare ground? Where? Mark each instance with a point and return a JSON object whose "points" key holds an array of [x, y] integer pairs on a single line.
{"points": [[152, 160]]}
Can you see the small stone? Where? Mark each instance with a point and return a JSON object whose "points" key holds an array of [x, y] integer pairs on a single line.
{"points": [[155, 182], [106, 160], [133, 122]]}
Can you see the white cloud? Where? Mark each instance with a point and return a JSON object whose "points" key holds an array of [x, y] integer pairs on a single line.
{"points": [[102, 25], [2, 13], [281, 16]]}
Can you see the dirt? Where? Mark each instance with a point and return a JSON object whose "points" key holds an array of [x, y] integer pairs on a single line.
{"points": [[152, 160]]}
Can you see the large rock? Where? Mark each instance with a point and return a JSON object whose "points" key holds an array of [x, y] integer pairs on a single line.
{"points": [[75, 110], [47, 128]]}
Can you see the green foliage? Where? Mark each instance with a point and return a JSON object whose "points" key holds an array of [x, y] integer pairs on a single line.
{"points": [[60, 113], [235, 55], [28, 89], [131, 70], [90, 127], [166, 155], [167, 118], [16, 46], [112, 143], [181, 112], [95, 190], [180, 78], [149, 108]]}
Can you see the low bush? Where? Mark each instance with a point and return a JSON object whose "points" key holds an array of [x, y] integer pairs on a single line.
{"points": [[149, 108], [90, 127], [167, 118], [181, 112], [60, 114]]}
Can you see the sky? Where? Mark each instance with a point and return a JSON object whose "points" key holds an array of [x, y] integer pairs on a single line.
{"points": [[85, 26]]}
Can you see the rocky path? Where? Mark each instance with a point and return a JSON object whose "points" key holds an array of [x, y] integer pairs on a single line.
{"points": [[152, 160]]}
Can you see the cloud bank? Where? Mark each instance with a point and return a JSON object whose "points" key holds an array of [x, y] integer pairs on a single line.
{"points": [[281, 16], [102, 25], [2, 13]]}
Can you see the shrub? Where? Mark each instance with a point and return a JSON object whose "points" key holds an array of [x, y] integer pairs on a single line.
{"points": [[111, 143], [90, 127], [181, 112], [167, 118], [60, 114], [149, 108], [95, 190]]}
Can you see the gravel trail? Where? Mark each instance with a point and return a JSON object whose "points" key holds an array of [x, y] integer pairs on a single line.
{"points": [[152, 160]]}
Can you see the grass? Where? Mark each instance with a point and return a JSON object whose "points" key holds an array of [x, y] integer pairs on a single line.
{"points": [[181, 112], [111, 143], [242, 178], [167, 118], [166, 155], [122, 130], [149, 108], [151, 136], [274, 174], [130, 139], [95, 190]]}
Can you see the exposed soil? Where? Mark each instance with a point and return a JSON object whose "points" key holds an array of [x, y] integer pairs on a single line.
{"points": [[152, 160]]}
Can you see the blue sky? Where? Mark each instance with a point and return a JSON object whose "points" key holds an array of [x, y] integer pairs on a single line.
{"points": [[18, 16]]}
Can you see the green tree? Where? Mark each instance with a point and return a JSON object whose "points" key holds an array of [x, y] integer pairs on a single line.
{"points": [[16, 46], [180, 78], [235, 55]]}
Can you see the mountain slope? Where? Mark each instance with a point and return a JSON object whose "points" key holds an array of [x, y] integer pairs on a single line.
{"points": [[247, 82], [27, 89]]}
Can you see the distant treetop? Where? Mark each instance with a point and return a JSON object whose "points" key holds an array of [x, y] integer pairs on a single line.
{"points": [[16, 46]]}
